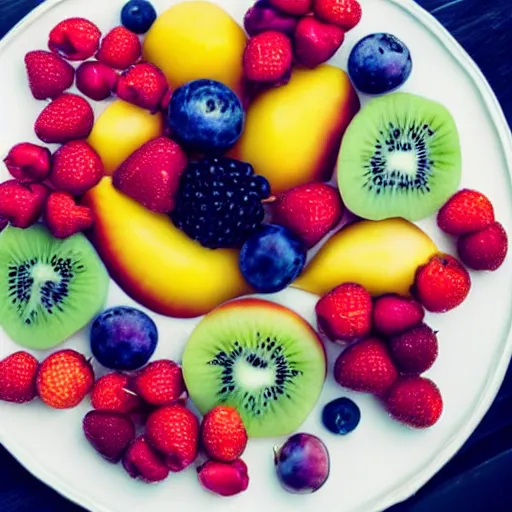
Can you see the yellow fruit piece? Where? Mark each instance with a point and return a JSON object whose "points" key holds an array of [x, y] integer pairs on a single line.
{"points": [[381, 255], [120, 130], [293, 133], [198, 39], [156, 263]]}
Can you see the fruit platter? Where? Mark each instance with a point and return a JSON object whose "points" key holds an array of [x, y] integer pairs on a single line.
{"points": [[252, 253]]}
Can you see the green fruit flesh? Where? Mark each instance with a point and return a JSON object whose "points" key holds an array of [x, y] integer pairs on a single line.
{"points": [[400, 157], [259, 357], [49, 288]]}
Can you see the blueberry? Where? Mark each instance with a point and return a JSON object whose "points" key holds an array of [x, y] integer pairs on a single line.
{"points": [[341, 416], [205, 116], [379, 63], [272, 258], [123, 338], [138, 16]]}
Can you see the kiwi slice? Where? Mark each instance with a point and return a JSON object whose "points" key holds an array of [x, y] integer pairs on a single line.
{"points": [[400, 157], [259, 357], [49, 288]]}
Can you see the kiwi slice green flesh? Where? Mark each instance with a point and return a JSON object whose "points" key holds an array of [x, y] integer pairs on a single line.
{"points": [[400, 157], [49, 288], [259, 357]]}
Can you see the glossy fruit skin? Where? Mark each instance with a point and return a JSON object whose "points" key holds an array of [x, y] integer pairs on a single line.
{"points": [[64, 217], [205, 116], [160, 383], [379, 63], [138, 16], [156, 273], [293, 7], [341, 416], [22, 204], [272, 258], [343, 13], [74, 39], [123, 338], [262, 17], [293, 133], [28, 162], [119, 49], [393, 314], [224, 479], [112, 393], [96, 80], [142, 462], [357, 254], [302, 464], [18, 378], [210, 43]]}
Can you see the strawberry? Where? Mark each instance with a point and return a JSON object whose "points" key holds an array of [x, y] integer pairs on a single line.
{"points": [[223, 434], [18, 378], [152, 174], [64, 217], [414, 351], [310, 211], [143, 85], [143, 462], [225, 479], [74, 39], [96, 80], [28, 163], [415, 401], [485, 249], [315, 42], [294, 7], [160, 382], [465, 212], [66, 118], [393, 314], [64, 378], [345, 313], [442, 284], [366, 366], [48, 74], [120, 48], [21, 204], [112, 393], [109, 433], [344, 13], [76, 168], [174, 431], [268, 57]]}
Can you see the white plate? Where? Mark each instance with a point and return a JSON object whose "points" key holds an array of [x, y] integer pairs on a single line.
{"points": [[380, 463]]}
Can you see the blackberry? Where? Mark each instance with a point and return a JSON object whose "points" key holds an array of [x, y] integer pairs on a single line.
{"points": [[219, 202]]}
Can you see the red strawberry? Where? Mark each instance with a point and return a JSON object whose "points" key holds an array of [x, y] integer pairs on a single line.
{"points": [[76, 168], [28, 162], [75, 39], [66, 118], [414, 351], [143, 85], [295, 7], [174, 431], [316, 42], [345, 313], [64, 378], [465, 212], [18, 378], [485, 249], [152, 174], [21, 204], [310, 211], [415, 401], [142, 462], [268, 57], [109, 433], [64, 217], [225, 479], [442, 284], [96, 80], [48, 74], [223, 434], [393, 314], [120, 48], [112, 393], [366, 366], [344, 13], [160, 382]]}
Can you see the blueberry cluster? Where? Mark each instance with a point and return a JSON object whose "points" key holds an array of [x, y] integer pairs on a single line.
{"points": [[219, 202]]}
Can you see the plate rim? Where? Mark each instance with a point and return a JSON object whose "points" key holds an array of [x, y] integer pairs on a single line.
{"points": [[494, 382]]}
